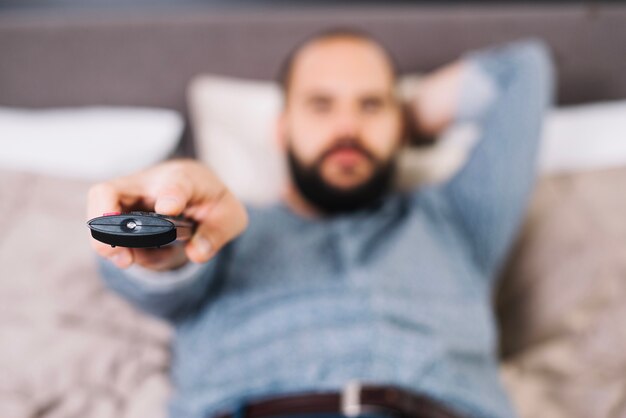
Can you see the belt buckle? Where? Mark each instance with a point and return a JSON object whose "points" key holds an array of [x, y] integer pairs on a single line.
{"points": [[351, 405], [352, 402]]}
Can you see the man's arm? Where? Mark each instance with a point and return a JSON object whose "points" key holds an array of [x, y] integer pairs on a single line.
{"points": [[170, 294], [436, 100], [172, 280], [506, 91]]}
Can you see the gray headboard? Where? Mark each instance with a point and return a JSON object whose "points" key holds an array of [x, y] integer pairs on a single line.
{"points": [[147, 59]]}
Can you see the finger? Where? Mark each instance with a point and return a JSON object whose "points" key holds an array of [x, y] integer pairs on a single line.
{"points": [[101, 198], [220, 220], [104, 197], [173, 194], [183, 184], [160, 259], [122, 257]]}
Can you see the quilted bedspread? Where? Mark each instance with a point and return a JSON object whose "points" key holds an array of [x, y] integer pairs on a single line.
{"points": [[71, 348]]}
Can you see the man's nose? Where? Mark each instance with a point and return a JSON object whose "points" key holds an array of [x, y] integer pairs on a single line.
{"points": [[348, 124]]}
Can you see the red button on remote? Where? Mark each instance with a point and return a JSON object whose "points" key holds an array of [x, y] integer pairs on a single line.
{"points": [[111, 213]]}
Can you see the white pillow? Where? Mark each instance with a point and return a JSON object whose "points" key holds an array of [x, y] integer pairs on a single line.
{"points": [[584, 137], [233, 123], [92, 143]]}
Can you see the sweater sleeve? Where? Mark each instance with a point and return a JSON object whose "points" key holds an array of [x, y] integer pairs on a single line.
{"points": [[488, 196], [169, 295]]}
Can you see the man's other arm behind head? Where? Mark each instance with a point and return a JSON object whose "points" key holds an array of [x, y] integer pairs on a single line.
{"points": [[434, 105]]}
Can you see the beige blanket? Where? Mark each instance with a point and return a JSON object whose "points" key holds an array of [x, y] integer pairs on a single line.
{"points": [[562, 304], [70, 348]]}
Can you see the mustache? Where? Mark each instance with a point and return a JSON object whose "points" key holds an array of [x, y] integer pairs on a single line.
{"points": [[347, 143]]}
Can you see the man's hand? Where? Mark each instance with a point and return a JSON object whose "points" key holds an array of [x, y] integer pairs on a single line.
{"points": [[172, 188], [436, 99]]}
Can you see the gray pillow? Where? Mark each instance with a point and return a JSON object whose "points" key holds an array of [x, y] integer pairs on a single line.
{"points": [[562, 301]]}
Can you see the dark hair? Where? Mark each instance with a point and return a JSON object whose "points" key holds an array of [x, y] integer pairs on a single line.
{"points": [[286, 68], [411, 130]]}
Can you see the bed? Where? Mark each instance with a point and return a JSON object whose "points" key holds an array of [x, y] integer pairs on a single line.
{"points": [[69, 347]]}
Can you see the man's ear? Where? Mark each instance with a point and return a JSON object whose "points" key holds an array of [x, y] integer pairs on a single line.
{"points": [[280, 131], [405, 126], [412, 134]]}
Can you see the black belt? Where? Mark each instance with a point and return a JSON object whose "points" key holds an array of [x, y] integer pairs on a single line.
{"points": [[354, 400]]}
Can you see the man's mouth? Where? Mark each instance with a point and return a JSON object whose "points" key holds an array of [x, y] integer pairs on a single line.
{"points": [[346, 156]]}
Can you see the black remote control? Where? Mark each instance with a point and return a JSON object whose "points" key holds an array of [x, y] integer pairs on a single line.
{"points": [[140, 229]]}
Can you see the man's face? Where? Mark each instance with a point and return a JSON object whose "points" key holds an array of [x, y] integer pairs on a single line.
{"points": [[342, 122]]}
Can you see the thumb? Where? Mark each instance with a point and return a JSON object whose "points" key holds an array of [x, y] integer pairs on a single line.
{"points": [[220, 221], [171, 199], [200, 249]]}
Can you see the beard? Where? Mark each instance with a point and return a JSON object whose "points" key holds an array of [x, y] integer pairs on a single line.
{"points": [[337, 200]]}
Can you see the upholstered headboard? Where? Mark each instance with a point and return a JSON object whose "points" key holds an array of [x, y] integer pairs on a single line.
{"points": [[147, 59]]}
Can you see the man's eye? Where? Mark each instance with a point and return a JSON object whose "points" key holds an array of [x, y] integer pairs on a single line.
{"points": [[319, 106], [372, 105]]}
